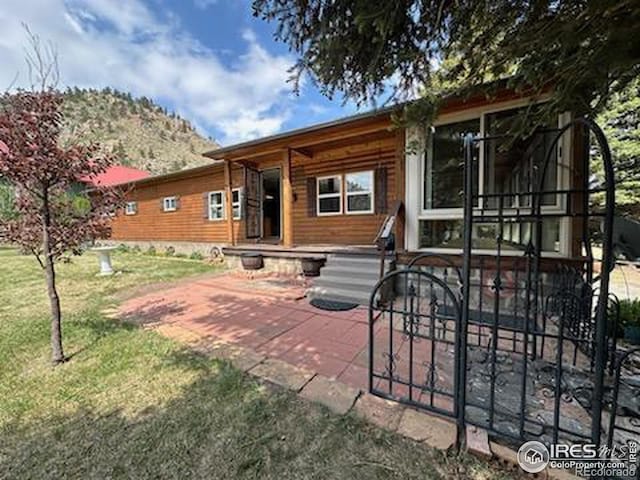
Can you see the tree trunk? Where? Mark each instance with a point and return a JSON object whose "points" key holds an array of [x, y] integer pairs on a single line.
{"points": [[57, 354]]}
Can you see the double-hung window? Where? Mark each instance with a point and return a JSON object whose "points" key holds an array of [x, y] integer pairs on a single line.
{"points": [[359, 192], [329, 195], [236, 196], [216, 205]]}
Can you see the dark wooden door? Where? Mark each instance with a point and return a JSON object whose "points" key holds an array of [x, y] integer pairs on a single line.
{"points": [[253, 203]]}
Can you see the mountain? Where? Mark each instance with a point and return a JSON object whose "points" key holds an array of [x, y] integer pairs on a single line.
{"points": [[136, 131]]}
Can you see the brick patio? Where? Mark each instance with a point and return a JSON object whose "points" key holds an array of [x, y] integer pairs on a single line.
{"points": [[265, 326], [268, 315]]}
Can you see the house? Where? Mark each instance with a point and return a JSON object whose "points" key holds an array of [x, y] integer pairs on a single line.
{"points": [[507, 297], [327, 189], [113, 176]]}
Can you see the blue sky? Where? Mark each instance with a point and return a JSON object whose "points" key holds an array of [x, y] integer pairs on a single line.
{"points": [[209, 60]]}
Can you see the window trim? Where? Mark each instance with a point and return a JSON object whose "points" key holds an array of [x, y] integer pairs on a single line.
{"points": [[370, 192], [175, 204], [329, 195], [127, 211], [221, 204], [237, 204]]}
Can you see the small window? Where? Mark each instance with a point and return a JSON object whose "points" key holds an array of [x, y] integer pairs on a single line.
{"points": [[330, 195], [170, 204], [131, 208], [216, 205], [359, 188], [237, 203]]}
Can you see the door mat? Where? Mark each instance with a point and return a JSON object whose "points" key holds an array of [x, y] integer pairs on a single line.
{"points": [[332, 305]]}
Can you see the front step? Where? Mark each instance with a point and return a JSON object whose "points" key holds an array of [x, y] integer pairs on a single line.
{"points": [[348, 278]]}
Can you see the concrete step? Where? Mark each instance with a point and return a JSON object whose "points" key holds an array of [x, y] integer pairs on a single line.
{"points": [[356, 259], [340, 294], [348, 280], [349, 271], [373, 267]]}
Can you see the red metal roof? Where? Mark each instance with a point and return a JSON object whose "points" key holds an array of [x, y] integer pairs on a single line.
{"points": [[116, 175]]}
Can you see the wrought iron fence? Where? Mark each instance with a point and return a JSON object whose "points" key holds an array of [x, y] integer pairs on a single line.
{"points": [[521, 342]]}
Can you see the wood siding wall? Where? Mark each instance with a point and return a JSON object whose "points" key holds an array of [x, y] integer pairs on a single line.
{"points": [[187, 223], [343, 229]]}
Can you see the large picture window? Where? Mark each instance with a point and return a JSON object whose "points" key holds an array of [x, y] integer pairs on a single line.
{"points": [[505, 173], [359, 190], [330, 195]]}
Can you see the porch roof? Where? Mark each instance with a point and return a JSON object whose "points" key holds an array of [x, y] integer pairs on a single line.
{"points": [[366, 123], [363, 124]]}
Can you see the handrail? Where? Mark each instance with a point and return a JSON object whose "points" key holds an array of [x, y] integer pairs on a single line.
{"points": [[385, 233]]}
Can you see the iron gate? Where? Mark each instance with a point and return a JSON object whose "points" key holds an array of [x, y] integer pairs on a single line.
{"points": [[414, 338], [517, 342]]}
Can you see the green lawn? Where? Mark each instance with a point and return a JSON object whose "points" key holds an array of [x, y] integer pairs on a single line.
{"points": [[132, 404]]}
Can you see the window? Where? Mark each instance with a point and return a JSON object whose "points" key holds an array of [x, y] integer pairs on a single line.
{"points": [[216, 205], [505, 171], [359, 191], [330, 195], [169, 204], [516, 234], [444, 169], [236, 196], [131, 208], [512, 167]]}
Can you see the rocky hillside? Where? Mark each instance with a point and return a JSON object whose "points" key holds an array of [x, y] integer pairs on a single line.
{"points": [[138, 132]]}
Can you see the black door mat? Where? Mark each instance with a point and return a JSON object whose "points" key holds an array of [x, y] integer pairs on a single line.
{"points": [[332, 305]]}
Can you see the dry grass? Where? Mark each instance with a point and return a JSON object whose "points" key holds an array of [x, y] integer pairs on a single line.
{"points": [[132, 404]]}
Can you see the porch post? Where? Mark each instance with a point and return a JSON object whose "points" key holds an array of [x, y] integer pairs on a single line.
{"points": [[287, 200], [400, 175], [229, 202]]}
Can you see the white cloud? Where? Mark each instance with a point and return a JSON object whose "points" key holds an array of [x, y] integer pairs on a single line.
{"points": [[126, 45], [204, 4]]}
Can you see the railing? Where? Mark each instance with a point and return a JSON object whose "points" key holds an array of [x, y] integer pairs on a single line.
{"points": [[385, 239]]}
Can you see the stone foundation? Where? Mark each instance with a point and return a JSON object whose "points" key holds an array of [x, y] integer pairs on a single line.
{"points": [[205, 249], [272, 264], [280, 265]]}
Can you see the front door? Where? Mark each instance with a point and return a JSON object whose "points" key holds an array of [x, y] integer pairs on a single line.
{"points": [[271, 204], [252, 188]]}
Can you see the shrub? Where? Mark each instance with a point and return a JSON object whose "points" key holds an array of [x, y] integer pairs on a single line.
{"points": [[122, 248], [151, 250], [169, 251], [630, 312], [196, 256], [136, 249]]}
